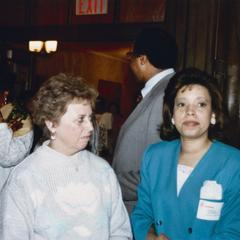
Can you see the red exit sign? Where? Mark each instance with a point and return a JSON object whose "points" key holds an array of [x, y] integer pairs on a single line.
{"points": [[91, 7]]}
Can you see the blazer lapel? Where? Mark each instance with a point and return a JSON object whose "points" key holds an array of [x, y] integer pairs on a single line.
{"points": [[147, 100]]}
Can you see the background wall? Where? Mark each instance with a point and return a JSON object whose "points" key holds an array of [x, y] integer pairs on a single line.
{"points": [[94, 66], [207, 33]]}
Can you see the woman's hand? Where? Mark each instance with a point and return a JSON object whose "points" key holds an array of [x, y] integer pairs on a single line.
{"points": [[162, 237], [152, 236], [15, 124]]}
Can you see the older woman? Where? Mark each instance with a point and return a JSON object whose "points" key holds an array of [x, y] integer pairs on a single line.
{"points": [[190, 184], [62, 191]]}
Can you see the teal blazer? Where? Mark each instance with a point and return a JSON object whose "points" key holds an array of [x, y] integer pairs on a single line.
{"points": [[176, 216]]}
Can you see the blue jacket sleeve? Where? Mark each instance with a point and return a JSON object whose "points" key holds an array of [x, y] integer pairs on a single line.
{"points": [[142, 215]]}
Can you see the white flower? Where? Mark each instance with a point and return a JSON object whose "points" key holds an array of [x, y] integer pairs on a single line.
{"points": [[82, 231], [74, 198]]}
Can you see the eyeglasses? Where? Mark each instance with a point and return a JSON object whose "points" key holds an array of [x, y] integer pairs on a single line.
{"points": [[132, 55]]}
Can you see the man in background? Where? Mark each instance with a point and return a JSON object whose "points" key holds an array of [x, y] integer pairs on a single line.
{"points": [[152, 60]]}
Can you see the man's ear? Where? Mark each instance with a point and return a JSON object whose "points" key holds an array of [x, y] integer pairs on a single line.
{"points": [[143, 59]]}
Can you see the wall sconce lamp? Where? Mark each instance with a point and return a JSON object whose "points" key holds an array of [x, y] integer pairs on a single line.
{"points": [[36, 46], [51, 46]]}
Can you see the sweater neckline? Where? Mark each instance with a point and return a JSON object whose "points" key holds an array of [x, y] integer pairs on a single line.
{"points": [[54, 156]]}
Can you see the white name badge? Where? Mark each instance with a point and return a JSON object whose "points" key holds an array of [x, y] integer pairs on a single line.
{"points": [[211, 190], [208, 210]]}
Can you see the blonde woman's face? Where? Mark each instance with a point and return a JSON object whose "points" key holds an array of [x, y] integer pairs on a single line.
{"points": [[74, 129]]}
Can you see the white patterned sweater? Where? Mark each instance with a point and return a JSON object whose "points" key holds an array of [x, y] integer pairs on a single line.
{"points": [[57, 197], [12, 150]]}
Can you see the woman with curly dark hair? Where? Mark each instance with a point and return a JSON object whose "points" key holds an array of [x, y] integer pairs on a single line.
{"points": [[190, 183]]}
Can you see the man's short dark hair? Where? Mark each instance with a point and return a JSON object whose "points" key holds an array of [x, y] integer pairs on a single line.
{"points": [[158, 45]]}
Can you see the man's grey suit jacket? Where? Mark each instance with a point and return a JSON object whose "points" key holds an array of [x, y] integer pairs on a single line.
{"points": [[139, 130]]}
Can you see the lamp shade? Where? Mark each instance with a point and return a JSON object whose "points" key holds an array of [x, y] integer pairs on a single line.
{"points": [[51, 46], [35, 46]]}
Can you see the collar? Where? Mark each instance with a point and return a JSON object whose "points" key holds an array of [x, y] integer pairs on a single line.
{"points": [[154, 80]]}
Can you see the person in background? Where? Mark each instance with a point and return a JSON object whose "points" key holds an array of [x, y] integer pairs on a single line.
{"points": [[117, 121], [61, 190], [26, 100], [152, 60], [104, 120], [16, 134], [190, 183]]}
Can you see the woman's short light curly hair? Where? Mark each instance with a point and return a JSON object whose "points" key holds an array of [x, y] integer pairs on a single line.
{"points": [[55, 94]]}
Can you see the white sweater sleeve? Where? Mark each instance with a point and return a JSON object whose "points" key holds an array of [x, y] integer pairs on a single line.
{"points": [[119, 224], [13, 149], [16, 214]]}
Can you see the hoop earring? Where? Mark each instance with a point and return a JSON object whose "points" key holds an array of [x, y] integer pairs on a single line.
{"points": [[172, 121]]}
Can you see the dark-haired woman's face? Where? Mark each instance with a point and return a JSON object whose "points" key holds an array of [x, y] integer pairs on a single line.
{"points": [[192, 112]]}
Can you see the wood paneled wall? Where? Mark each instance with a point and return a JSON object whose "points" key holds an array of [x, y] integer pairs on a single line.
{"points": [[196, 23], [93, 66], [231, 62], [62, 12], [207, 33]]}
